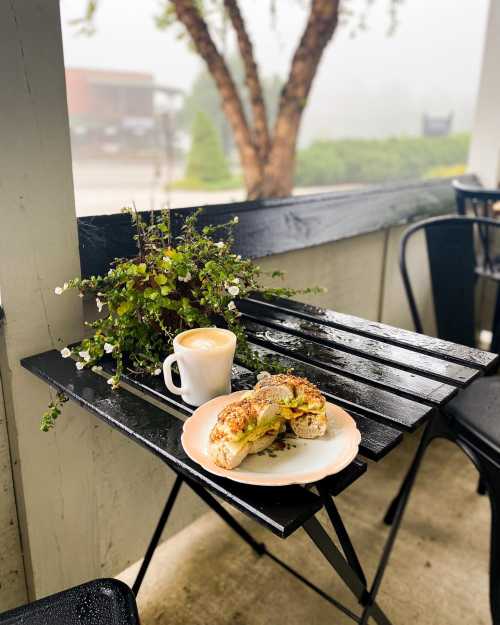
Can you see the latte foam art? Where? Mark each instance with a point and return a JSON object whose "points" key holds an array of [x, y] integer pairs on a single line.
{"points": [[205, 339]]}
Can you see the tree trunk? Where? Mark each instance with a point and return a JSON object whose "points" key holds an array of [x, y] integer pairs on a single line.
{"points": [[262, 140], [279, 170], [268, 163], [189, 15]]}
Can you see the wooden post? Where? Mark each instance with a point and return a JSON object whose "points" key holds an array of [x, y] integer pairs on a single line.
{"points": [[484, 156], [87, 497]]}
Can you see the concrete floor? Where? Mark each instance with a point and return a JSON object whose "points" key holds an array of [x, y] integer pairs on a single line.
{"points": [[438, 574]]}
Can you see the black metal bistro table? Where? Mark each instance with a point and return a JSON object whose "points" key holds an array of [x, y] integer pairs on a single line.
{"points": [[390, 380]]}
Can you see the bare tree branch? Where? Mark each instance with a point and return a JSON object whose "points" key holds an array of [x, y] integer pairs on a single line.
{"points": [[260, 128], [188, 14]]}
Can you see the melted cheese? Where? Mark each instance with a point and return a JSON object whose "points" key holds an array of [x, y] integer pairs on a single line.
{"points": [[293, 412]]}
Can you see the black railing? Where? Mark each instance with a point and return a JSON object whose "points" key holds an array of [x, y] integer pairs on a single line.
{"points": [[275, 226]]}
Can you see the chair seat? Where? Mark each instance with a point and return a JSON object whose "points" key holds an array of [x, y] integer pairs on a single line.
{"points": [[477, 409]]}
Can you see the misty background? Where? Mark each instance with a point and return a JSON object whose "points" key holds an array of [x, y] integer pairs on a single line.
{"points": [[371, 85], [368, 86]]}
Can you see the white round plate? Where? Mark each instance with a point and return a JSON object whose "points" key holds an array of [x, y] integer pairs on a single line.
{"points": [[301, 462]]}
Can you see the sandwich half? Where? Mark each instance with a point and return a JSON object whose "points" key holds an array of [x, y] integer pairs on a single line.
{"points": [[243, 427], [300, 402]]}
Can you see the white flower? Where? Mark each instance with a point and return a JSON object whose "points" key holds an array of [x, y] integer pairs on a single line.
{"points": [[99, 304], [185, 278], [59, 290], [262, 375], [236, 220], [231, 305], [110, 381], [233, 290], [157, 372], [66, 352], [238, 257], [220, 244], [85, 355], [236, 280], [108, 348], [80, 294], [79, 365]]}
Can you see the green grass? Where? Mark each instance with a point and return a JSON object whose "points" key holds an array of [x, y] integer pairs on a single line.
{"points": [[193, 184]]}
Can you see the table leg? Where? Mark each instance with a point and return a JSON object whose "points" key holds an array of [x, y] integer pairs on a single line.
{"points": [[437, 427], [212, 503], [340, 530], [348, 575], [155, 539]]}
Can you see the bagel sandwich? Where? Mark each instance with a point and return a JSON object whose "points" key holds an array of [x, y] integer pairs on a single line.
{"points": [[244, 427], [300, 402]]}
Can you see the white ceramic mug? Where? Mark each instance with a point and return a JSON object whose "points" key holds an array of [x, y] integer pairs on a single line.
{"points": [[204, 357]]}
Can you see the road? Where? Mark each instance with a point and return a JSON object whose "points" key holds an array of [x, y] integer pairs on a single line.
{"points": [[103, 187]]}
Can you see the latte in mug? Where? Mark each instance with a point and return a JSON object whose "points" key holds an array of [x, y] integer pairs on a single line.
{"points": [[205, 358], [206, 338]]}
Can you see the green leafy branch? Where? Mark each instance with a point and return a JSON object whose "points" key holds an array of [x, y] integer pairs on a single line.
{"points": [[168, 287]]}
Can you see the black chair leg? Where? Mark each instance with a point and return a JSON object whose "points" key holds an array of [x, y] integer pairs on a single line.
{"points": [[436, 428], [494, 493], [409, 477]]}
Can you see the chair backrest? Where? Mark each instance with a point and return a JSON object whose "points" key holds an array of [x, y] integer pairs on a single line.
{"points": [[480, 201], [99, 602], [452, 262]]}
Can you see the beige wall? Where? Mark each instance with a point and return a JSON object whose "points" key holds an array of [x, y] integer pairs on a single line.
{"points": [[361, 275], [12, 580]]}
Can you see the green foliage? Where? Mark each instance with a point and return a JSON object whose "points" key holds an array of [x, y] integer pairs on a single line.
{"points": [[365, 160], [193, 184], [48, 420], [164, 290], [205, 97], [206, 161]]}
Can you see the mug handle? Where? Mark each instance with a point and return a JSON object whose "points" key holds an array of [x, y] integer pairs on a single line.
{"points": [[167, 373]]}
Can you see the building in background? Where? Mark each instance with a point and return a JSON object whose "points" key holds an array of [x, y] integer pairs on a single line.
{"points": [[118, 112]]}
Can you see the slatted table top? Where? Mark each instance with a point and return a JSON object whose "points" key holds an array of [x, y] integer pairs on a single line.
{"points": [[390, 380]]}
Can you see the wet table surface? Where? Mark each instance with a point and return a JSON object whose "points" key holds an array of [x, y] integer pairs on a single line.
{"points": [[390, 380]]}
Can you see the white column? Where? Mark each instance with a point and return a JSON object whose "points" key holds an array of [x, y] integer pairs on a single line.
{"points": [[38, 249], [87, 497], [484, 156]]}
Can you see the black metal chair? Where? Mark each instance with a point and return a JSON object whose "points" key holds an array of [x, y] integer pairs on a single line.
{"points": [[472, 418], [99, 602], [474, 200]]}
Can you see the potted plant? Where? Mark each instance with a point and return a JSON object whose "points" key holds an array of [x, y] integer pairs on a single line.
{"points": [[168, 287]]}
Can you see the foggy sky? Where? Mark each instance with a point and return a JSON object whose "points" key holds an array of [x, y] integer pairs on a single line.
{"points": [[369, 86]]}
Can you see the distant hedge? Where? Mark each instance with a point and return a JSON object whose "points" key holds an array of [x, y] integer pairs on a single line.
{"points": [[369, 160]]}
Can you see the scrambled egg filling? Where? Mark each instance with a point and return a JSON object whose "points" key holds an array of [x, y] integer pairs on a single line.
{"points": [[292, 410], [287, 412], [253, 433]]}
